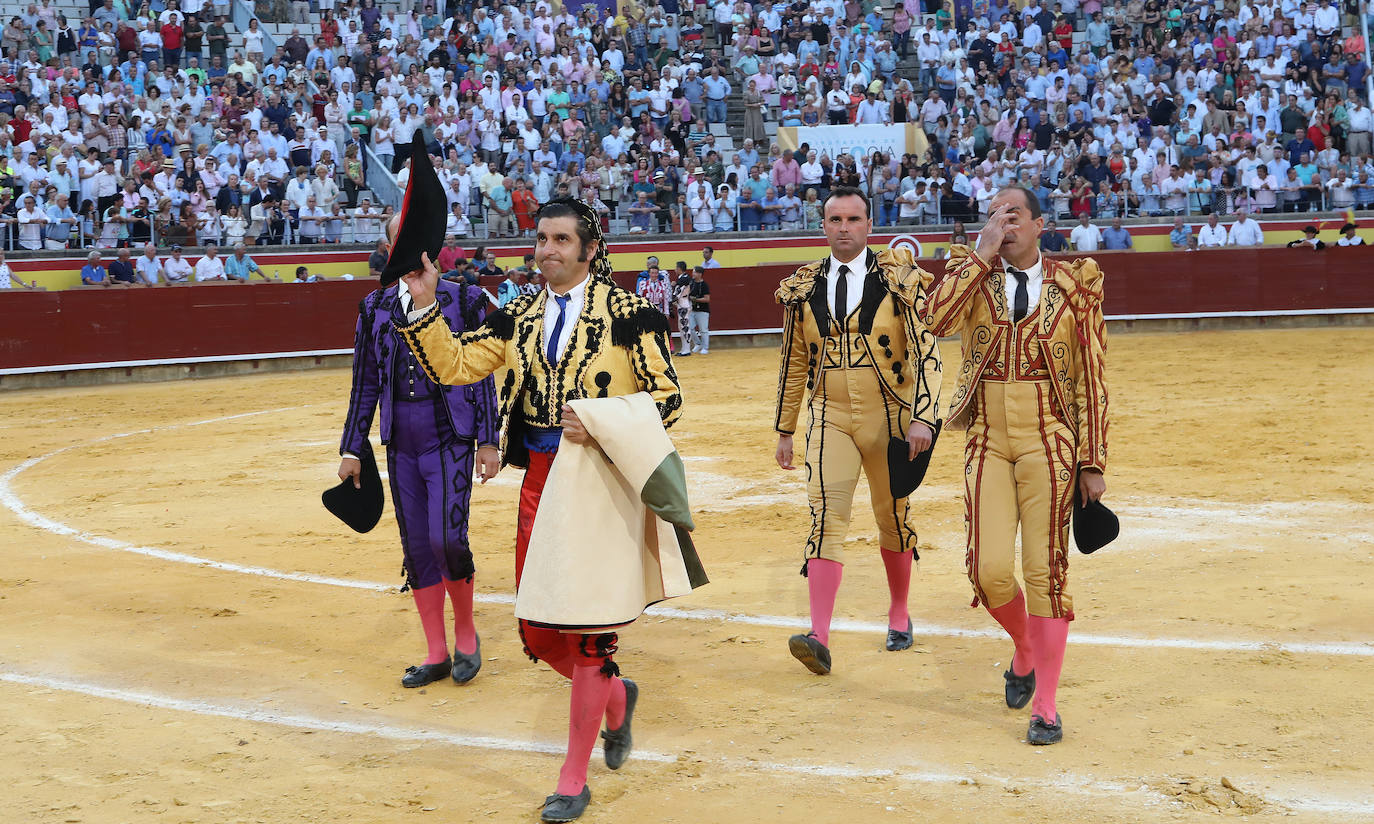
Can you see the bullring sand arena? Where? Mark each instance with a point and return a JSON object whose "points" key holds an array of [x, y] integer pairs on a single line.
{"points": [[188, 636]]}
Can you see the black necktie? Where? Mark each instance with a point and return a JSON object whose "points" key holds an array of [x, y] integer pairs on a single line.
{"points": [[842, 295], [1021, 302]]}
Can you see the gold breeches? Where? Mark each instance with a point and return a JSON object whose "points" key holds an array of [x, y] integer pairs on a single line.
{"points": [[1020, 466], [852, 420]]}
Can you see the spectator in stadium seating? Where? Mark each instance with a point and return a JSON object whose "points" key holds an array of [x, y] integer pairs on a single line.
{"points": [[148, 267], [121, 271], [641, 212], [1052, 240], [1245, 232], [1212, 235], [210, 267], [267, 224], [1116, 237], [94, 274], [240, 265], [376, 261], [32, 221], [177, 269], [1180, 234], [1085, 237]]}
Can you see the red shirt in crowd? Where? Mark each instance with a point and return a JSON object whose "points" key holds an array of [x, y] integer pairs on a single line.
{"points": [[171, 36]]}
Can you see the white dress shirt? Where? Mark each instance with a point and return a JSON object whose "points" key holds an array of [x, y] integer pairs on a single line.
{"points": [[1210, 235], [1035, 278], [858, 271], [1247, 233], [176, 270], [208, 268], [572, 312]]}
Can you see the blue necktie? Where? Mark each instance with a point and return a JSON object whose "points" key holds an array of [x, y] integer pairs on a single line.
{"points": [[557, 327]]}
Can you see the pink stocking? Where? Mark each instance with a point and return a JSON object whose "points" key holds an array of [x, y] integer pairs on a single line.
{"points": [[429, 601], [1049, 637], [898, 565], [464, 631], [823, 582], [1012, 617], [590, 691]]}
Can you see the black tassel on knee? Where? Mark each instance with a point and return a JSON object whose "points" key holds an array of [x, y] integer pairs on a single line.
{"points": [[803, 569], [610, 669]]}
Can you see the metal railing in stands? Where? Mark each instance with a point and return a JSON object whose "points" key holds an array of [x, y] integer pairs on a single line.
{"points": [[380, 180], [243, 12]]}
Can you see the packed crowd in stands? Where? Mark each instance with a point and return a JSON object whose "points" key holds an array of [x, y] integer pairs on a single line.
{"points": [[138, 124]]}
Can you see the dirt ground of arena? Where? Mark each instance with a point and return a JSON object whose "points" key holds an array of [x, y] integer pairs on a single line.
{"points": [[1221, 668]]}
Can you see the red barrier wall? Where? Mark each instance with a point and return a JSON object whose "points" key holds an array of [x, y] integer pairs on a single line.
{"points": [[108, 325], [114, 325]]}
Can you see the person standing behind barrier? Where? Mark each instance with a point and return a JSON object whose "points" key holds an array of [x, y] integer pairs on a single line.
{"points": [[682, 302], [699, 294], [148, 267], [857, 355], [9, 279], [1032, 395]]}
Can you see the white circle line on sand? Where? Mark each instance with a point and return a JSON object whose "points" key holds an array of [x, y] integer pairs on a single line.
{"points": [[1082, 785], [15, 504]]}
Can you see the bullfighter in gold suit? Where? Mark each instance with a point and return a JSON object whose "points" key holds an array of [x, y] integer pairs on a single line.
{"points": [[856, 352], [581, 337], [1033, 395]]}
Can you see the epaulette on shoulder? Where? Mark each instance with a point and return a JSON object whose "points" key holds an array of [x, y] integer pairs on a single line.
{"points": [[903, 277], [798, 287], [502, 321], [1087, 279], [633, 317]]}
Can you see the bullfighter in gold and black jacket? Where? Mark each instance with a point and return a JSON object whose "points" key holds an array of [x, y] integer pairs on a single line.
{"points": [[858, 357]]}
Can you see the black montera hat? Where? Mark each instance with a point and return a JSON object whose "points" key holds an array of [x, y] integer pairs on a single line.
{"points": [[1094, 525], [360, 507], [424, 217], [904, 476]]}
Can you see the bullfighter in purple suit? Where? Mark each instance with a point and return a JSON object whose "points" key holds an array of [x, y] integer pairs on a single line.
{"points": [[431, 433]]}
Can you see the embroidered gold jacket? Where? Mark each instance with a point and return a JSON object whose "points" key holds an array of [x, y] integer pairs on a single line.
{"points": [[891, 336], [619, 346], [971, 301]]}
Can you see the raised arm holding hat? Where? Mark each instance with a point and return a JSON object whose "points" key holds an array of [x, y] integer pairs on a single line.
{"points": [[434, 435], [581, 337], [1032, 395]]}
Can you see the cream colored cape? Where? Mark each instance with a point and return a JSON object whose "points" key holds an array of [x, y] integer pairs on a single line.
{"points": [[610, 536]]}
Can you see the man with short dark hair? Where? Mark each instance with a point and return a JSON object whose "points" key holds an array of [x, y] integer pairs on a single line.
{"points": [[581, 337], [1051, 240], [376, 261], [857, 355], [699, 294], [708, 258], [1032, 397]]}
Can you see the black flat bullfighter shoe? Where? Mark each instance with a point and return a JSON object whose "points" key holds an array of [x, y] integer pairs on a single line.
{"points": [[426, 674]]}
